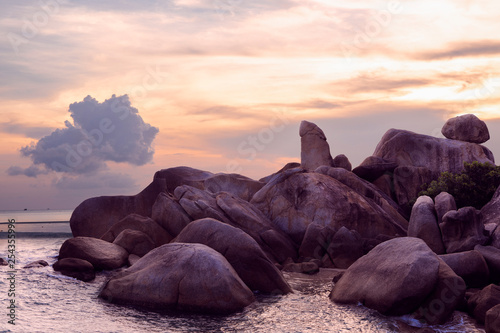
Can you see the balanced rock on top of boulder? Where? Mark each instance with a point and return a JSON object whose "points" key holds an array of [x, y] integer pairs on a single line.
{"points": [[467, 128]]}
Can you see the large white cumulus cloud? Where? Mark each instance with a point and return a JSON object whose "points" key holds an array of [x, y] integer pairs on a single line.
{"points": [[109, 131]]}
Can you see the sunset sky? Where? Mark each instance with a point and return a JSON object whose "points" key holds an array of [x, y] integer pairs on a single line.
{"points": [[222, 85]]}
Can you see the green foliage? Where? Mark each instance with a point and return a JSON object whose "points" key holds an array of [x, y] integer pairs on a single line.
{"points": [[474, 186]]}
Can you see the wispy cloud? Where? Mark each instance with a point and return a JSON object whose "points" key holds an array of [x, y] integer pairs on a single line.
{"points": [[30, 131], [481, 48]]}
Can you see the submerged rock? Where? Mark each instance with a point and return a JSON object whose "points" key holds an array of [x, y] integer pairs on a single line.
{"points": [[191, 277], [37, 264], [308, 267], [77, 268], [101, 254]]}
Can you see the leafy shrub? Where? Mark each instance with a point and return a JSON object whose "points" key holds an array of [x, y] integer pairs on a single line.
{"points": [[474, 186]]}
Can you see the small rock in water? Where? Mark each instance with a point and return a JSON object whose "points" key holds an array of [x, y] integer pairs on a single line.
{"points": [[309, 267], [77, 268], [37, 264]]}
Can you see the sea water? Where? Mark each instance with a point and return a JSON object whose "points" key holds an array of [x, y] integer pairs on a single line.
{"points": [[47, 301]]}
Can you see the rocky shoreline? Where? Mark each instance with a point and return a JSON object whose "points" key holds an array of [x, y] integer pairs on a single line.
{"points": [[205, 242]]}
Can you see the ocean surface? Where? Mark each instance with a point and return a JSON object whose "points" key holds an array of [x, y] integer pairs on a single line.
{"points": [[49, 302]]}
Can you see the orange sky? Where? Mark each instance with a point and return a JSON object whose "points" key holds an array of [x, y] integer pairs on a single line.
{"points": [[214, 75]]}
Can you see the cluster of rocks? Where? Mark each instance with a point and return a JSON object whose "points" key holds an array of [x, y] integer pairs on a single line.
{"points": [[194, 240]]}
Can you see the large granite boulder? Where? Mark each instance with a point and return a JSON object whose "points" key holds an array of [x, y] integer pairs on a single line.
{"points": [[317, 239], [345, 248], [367, 190], [462, 230], [240, 250], [448, 295], [238, 185], [490, 213], [443, 203], [239, 213], [492, 322], [467, 128], [95, 216], [341, 161], [423, 224], [191, 277], [288, 166], [101, 254], [135, 242], [411, 149], [183, 175], [408, 181], [394, 278], [470, 266], [141, 223], [315, 151], [295, 199], [492, 257], [424, 158], [482, 301], [76, 268], [374, 167], [169, 214]]}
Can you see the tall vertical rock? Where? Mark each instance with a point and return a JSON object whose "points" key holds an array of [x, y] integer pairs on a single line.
{"points": [[315, 151]]}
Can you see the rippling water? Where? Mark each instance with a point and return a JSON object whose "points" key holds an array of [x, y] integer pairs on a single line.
{"points": [[49, 302]]}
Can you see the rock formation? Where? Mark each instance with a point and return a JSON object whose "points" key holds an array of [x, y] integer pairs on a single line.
{"points": [[315, 151], [200, 241], [462, 230], [240, 250], [397, 277], [467, 128], [101, 254], [423, 224], [419, 159], [297, 199], [180, 276]]}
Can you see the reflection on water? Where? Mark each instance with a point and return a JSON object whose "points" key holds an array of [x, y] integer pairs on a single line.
{"points": [[49, 302]]}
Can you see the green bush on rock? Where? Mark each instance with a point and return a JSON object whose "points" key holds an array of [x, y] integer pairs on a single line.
{"points": [[474, 186]]}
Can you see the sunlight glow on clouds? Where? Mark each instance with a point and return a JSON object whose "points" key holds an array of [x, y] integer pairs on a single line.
{"points": [[210, 73]]}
